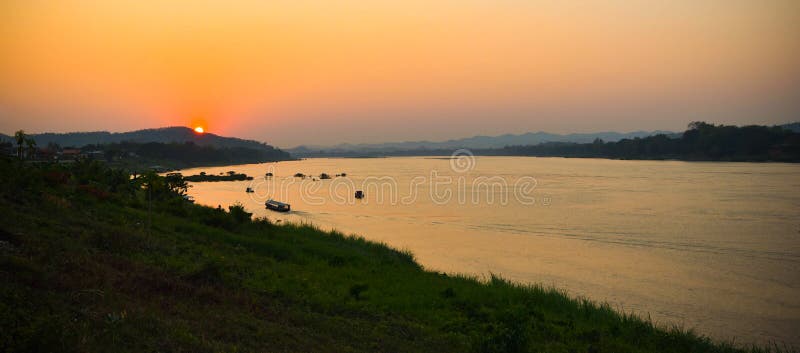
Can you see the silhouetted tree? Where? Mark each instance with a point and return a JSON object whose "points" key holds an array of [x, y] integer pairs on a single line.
{"points": [[53, 146], [31, 146], [20, 137], [238, 213], [176, 183], [702, 141]]}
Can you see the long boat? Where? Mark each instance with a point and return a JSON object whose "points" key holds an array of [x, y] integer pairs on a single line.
{"points": [[277, 206]]}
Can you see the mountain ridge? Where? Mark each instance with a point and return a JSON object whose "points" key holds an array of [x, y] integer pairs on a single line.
{"points": [[180, 134], [483, 141], [490, 142], [171, 134]]}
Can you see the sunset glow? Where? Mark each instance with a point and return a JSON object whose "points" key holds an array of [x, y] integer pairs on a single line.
{"points": [[305, 72], [544, 175]]}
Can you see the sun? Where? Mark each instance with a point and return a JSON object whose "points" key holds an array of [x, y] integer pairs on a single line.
{"points": [[199, 130]]}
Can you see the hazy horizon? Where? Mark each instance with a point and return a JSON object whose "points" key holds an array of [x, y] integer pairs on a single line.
{"points": [[322, 73]]}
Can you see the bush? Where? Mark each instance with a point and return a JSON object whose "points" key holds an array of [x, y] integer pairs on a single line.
{"points": [[357, 289], [239, 214]]}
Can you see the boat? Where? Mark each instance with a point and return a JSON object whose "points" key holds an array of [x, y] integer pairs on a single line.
{"points": [[277, 206], [189, 199], [269, 174], [359, 194], [249, 189]]}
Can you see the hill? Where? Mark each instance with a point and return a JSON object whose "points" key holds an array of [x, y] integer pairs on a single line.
{"points": [[475, 142], [701, 142], [753, 141], [793, 127], [176, 134], [478, 143], [140, 156], [93, 260], [167, 148]]}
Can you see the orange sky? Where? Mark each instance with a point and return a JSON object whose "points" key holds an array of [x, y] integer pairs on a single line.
{"points": [[300, 72]]}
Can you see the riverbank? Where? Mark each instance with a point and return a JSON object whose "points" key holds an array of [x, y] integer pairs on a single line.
{"points": [[700, 142], [86, 267], [230, 176]]}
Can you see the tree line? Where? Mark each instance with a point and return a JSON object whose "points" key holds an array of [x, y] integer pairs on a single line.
{"points": [[138, 155], [700, 142], [187, 154]]}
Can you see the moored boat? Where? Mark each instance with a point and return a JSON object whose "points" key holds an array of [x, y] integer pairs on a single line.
{"points": [[277, 206]]}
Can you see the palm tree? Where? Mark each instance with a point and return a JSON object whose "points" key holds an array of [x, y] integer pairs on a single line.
{"points": [[20, 137], [31, 143]]}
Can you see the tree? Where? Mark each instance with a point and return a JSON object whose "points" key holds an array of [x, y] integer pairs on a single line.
{"points": [[53, 146], [20, 137], [31, 144], [176, 183], [238, 213], [152, 184]]}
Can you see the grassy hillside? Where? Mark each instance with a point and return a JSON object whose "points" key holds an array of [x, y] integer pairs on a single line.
{"points": [[85, 268]]}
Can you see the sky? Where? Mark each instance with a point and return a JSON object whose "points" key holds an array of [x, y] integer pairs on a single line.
{"points": [[325, 71]]}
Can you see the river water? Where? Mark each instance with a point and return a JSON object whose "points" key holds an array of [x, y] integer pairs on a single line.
{"points": [[704, 245]]}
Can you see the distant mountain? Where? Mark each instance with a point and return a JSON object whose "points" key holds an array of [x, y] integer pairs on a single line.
{"points": [[475, 142], [792, 126], [478, 142], [177, 134], [169, 148], [701, 142]]}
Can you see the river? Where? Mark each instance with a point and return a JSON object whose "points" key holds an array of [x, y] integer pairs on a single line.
{"points": [[704, 245]]}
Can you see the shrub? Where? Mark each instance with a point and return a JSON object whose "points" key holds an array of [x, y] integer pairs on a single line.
{"points": [[239, 214], [357, 289]]}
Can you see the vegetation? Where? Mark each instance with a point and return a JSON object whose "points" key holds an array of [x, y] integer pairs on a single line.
{"points": [[702, 141], [182, 155], [141, 150], [230, 176], [24, 143], [95, 260], [175, 134]]}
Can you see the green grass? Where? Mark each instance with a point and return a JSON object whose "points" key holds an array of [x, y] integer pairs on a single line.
{"points": [[81, 271]]}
